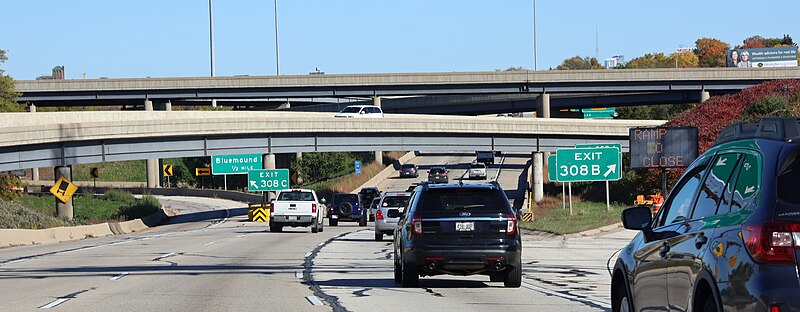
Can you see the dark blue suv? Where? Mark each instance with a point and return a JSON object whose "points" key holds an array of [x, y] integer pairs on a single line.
{"points": [[728, 236], [458, 229], [347, 207]]}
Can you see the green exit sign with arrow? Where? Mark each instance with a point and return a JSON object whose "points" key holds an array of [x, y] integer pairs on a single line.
{"points": [[588, 164]]}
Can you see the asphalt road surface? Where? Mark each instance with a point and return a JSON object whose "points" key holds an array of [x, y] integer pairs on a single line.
{"points": [[207, 260]]}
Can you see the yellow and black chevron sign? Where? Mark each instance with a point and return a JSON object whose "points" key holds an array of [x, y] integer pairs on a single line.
{"points": [[258, 214], [527, 217]]}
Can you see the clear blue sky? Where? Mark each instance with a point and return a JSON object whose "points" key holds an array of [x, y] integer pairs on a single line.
{"points": [[169, 38]]}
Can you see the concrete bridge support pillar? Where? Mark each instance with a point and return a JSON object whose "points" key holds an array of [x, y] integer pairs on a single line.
{"points": [[268, 161], [152, 168], [64, 210], [34, 171], [297, 157], [538, 177], [543, 106], [704, 95], [378, 154]]}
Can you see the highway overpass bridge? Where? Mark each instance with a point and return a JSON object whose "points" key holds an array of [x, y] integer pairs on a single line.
{"points": [[69, 138], [626, 87]]}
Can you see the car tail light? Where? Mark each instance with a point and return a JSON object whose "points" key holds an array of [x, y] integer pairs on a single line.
{"points": [[775, 308], [511, 226], [379, 215], [313, 208], [773, 242], [416, 222]]}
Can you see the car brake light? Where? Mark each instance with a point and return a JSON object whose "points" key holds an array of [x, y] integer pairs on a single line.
{"points": [[379, 215], [511, 226], [416, 222], [772, 243], [775, 308], [313, 208]]}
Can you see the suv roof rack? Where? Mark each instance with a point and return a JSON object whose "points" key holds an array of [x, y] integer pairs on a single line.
{"points": [[776, 129]]}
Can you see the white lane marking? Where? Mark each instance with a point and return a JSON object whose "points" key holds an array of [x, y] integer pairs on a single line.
{"points": [[240, 236], [227, 214], [118, 276], [165, 256], [54, 303], [314, 300], [209, 243], [565, 296], [308, 254], [298, 274], [500, 168], [15, 261]]}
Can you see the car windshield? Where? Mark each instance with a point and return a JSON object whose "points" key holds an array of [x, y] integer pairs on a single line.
{"points": [[351, 109], [346, 197], [296, 196], [461, 199], [395, 201]]}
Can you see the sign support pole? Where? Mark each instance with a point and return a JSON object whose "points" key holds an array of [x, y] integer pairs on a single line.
{"points": [[664, 182], [226, 181], [608, 198], [563, 195], [570, 198], [95, 182]]}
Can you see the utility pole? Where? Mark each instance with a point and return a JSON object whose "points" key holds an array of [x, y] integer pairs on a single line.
{"points": [[535, 52], [277, 49], [211, 37]]}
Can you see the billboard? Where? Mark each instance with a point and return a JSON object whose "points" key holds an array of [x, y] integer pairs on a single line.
{"points": [[764, 57]]}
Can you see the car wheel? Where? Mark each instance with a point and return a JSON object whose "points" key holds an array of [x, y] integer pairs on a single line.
{"points": [[362, 221], [333, 222], [315, 228], [622, 302], [378, 236], [496, 277], [398, 270], [321, 225], [513, 276], [410, 275], [276, 228], [709, 305]]}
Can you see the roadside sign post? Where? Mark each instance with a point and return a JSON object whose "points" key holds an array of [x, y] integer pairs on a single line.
{"points": [[587, 164], [95, 172], [202, 172], [599, 145], [167, 172], [234, 164], [552, 167], [358, 167]]}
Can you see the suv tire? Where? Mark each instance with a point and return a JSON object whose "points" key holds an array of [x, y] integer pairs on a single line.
{"points": [[363, 221], [622, 303], [378, 236], [346, 209], [398, 270], [276, 228], [410, 275], [513, 276], [333, 222]]}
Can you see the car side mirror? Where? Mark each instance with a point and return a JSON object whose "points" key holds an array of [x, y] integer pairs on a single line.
{"points": [[393, 214], [637, 218]]}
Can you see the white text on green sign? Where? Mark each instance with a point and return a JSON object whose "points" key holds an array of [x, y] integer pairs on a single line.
{"points": [[235, 164], [267, 180], [588, 164]]}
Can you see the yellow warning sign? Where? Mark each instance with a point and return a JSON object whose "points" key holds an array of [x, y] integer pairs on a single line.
{"points": [[95, 172], [527, 217], [258, 214], [63, 189], [167, 170]]}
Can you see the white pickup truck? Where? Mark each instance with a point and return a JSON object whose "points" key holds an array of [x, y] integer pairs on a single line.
{"points": [[296, 208]]}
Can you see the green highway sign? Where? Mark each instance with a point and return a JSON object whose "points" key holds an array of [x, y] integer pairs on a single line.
{"points": [[551, 168], [598, 145], [235, 164], [588, 164], [589, 113], [267, 180]]}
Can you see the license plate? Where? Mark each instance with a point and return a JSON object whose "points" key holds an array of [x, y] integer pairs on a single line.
{"points": [[465, 226], [334, 217]]}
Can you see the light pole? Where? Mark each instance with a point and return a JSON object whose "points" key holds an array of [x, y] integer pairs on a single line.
{"points": [[535, 55], [211, 40], [277, 49]]}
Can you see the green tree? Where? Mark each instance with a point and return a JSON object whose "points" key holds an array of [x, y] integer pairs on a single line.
{"points": [[7, 94], [316, 167], [711, 52], [577, 62], [649, 60]]}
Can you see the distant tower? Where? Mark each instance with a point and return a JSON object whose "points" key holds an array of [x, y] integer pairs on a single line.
{"points": [[596, 44], [58, 72]]}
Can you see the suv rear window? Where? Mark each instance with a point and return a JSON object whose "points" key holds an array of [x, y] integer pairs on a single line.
{"points": [[395, 201], [407, 166], [478, 166], [788, 207], [462, 199], [296, 196], [369, 192], [437, 170]]}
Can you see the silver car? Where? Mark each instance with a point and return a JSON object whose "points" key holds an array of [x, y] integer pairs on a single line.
{"points": [[477, 170], [388, 213]]}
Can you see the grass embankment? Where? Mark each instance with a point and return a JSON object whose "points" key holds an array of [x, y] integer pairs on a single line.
{"points": [[120, 171], [549, 216], [37, 212]]}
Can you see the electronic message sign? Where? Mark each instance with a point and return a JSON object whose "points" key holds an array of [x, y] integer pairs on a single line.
{"points": [[663, 147]]}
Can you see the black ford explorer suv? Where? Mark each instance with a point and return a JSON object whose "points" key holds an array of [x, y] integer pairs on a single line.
{"points": [[458, 229], [728, 236]]}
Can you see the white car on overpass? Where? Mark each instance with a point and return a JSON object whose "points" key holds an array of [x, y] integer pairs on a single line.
{"points": [[361, 111]]}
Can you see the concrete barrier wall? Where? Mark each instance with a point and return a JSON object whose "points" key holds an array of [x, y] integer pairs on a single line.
{"points": [[385, 173]]}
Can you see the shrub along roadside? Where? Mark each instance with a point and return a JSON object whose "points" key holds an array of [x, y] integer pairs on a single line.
{"points": [[550, 217]]}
